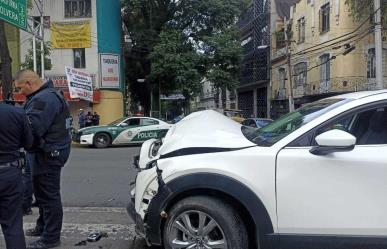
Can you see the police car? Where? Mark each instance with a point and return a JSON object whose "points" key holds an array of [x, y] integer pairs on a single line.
{"points": [[132, 130]]}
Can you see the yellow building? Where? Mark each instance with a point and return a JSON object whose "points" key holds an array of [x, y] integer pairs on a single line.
{"points": [[330, 53], [12, 34]]}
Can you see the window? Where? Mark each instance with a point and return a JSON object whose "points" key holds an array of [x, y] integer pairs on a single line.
{"points": [[77, 8], [281, 77], [300, 74], [369, 127], [79, 58], [371, 64], [282, 127], [133, 121], [325, 68], [301, 30], [147, 121], [324, 18]]}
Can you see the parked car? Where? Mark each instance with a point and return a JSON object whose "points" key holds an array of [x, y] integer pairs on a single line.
{"points": [[315, 178], [234, 114], [257, 122], [132, 130]]}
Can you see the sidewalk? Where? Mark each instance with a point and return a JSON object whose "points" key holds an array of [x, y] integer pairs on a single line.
{"points": [[80, 222]]}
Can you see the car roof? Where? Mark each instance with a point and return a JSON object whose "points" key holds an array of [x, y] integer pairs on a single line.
{"points": [[359, 95]]}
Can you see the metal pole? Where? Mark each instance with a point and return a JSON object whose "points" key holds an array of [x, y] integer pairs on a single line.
{"points": [[34, 53], [151, 103], [378, 45], [159, 100], [42, 42], [290, 77]]}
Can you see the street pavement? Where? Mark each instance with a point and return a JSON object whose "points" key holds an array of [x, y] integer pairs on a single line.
{"points": [[95, 191]]}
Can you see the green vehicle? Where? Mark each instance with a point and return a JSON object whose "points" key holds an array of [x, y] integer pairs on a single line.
{"points": [[128, 130]]}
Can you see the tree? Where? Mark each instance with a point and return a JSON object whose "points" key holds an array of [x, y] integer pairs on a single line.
{"points": [[6, 62], [184, 42], [361, 9], [29, 59]]}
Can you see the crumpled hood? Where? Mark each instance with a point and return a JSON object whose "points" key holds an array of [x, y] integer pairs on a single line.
{"points": [[202, 130]]}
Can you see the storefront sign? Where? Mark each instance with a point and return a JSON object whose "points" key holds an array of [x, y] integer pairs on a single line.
{"points": [[71, 34], [60, 82], [80, 84], [14, 12], [110, 70]]}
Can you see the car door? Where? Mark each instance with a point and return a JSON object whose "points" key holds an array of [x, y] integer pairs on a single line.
{"points": [[127, 130], [342, 193], [148, 129]]}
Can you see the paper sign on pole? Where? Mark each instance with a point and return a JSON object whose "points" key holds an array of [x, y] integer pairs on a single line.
{"points": [[80, 84], [110, 70]]}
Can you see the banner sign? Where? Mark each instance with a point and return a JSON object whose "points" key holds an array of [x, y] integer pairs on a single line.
{"points": [[14, 12], [109, 70], [71, 34], [80, 84]]}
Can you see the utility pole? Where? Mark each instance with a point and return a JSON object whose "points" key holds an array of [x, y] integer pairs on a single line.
{"points": [[290, 77], [378, 45], [34, 52], [42, 55]]}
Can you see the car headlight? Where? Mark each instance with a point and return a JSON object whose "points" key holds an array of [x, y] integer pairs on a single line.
{"points": [[87, 132]]}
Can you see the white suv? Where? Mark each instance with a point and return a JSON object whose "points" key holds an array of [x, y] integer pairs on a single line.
{"points": [[315, 178]]}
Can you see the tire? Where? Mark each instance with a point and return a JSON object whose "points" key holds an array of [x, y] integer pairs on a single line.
{"points": [[101, 140], [221, 224]]}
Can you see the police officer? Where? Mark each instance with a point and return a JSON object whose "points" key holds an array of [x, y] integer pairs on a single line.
{"points": [[15, 133], [50, 119]]}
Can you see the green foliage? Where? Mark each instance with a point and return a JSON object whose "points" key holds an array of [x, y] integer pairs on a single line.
{"points": [[29, 60], [361, 9], [184, 42]]}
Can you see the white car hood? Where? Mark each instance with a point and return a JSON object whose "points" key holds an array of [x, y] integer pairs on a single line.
{"points": [[204, 129]]}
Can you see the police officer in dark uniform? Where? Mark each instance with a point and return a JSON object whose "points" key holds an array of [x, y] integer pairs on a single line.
{"points": [[50, 120], [15, 133]]}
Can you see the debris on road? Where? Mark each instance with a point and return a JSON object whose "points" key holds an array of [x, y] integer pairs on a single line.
{"points": [[81, 243]]}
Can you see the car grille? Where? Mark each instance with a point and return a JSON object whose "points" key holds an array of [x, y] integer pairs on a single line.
{"points": [[76, 136]]}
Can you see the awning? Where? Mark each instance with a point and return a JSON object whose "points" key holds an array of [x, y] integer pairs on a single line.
{"points": [[18, 97]]}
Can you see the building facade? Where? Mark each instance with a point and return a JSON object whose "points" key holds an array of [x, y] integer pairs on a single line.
{"points": [[86, 35], [252, 92], [211, 98], [12, 34], [330, 54]]}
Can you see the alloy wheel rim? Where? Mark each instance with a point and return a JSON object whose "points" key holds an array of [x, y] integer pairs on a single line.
{"points": [[196, 230], [101, 140]]}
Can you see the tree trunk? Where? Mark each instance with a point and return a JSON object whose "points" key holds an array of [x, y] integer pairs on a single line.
{"points": [[6, 63]]}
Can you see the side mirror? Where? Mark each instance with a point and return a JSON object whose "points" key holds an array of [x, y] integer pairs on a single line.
{"points": [[124, 125], [333, 141]]}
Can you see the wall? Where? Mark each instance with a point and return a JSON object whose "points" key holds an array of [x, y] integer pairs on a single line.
{"points": [[111, 107], [12, 34], [109, 41], [347, 73], [60, 58]]}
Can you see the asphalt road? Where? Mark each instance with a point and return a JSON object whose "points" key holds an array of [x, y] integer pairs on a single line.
{"points": [[95, 191], [98, 177]]}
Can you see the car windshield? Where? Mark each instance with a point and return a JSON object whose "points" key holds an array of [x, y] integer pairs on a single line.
{"points": [[280, 128], [263, 122], [118, 121]]}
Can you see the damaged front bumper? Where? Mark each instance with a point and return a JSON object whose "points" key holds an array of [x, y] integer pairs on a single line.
{"points": [[140, 228]]}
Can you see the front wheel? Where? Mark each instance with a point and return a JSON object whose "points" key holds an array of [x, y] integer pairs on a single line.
{"points": [[101, 140], [204, 222]]}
